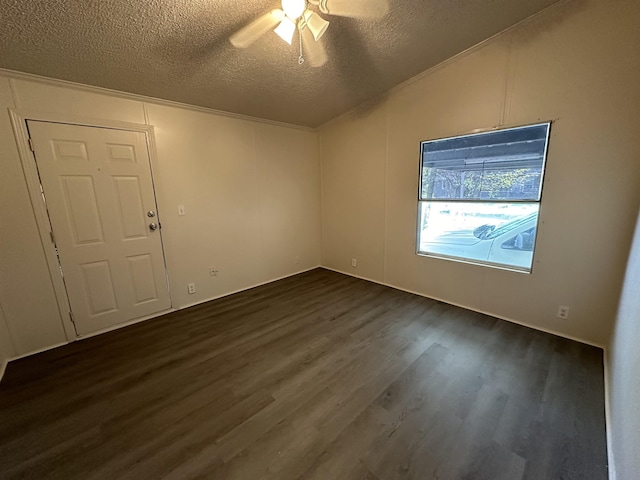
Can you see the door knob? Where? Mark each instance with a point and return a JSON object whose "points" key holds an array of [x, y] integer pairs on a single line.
{"points": [[151, 214], [153, 226]]}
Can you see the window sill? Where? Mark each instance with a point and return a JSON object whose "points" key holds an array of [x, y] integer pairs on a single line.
{"points": [[497, 266]]}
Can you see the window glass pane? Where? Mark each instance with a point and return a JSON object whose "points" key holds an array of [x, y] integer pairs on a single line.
{"points": [[494, 233], [501, 165]]}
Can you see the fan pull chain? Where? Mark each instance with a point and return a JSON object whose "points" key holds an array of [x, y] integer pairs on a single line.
{"points": [[300, 58]]}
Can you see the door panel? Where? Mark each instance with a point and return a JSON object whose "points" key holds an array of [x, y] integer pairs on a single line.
{"points": [[98, 189], [129, 197], [98, 285], [81, 209], [121, 153], [69, 151], [141, 268]]}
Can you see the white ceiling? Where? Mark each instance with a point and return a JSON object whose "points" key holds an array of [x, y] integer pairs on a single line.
{"points": [[179, 50]]}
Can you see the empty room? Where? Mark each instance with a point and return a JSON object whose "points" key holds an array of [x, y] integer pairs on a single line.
{"points": [[320, 239]]}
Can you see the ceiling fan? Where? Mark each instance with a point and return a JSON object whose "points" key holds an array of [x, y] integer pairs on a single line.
{"points": [[301, 15]]}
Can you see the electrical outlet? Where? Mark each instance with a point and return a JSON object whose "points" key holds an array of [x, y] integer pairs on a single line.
{"points": [[297, 260], [213, 271], [354, 262], [191, 287], [563, 312]]}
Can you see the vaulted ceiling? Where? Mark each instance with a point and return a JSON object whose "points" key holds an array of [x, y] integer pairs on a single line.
{"points": [[179, 50]]}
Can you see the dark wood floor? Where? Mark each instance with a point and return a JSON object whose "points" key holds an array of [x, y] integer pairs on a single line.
{"points": [[318, 376]]}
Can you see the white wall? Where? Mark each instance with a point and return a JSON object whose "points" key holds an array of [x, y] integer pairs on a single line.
{"points": [[26, 294], [252, 197], [576, 64], [251, 192], [624, 380]]}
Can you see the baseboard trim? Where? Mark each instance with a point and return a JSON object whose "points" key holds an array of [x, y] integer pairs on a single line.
{"points": [[4, 363], [535, 327], [35, 352], [607, 416], [174, 309], [123, 325], [200, 302], [605, 359]]}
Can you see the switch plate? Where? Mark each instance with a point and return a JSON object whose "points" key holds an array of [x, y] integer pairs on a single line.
{"points": [[563, 312], [354, 262], [181, 210], [191, 288]]}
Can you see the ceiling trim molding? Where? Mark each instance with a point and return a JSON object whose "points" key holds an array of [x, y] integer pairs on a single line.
{"points": [[444, 63], [14, 74]]}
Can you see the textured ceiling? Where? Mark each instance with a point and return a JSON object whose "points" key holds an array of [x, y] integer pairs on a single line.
{"points": [[179, 50]]}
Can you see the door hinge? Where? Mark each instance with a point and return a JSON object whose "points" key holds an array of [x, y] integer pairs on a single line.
{"points": [[53, 238], [31, 145], [72, 321]]}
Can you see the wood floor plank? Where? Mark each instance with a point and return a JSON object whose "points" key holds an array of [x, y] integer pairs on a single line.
{"points": [[316, 376]]}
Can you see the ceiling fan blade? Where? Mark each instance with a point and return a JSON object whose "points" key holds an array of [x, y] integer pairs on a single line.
{"points": [[313, 50], [354, 8], [261, 25]]}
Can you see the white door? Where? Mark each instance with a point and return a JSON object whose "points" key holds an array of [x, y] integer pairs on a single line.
{"points": [[99, 194]]}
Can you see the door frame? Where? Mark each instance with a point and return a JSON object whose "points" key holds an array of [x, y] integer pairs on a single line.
{"points": [[19, 120]]}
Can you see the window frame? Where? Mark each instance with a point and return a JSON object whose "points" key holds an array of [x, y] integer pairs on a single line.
{"points": [[420, 200]]}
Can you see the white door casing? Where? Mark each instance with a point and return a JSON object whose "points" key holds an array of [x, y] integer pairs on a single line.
{"points": [[98, 189]]}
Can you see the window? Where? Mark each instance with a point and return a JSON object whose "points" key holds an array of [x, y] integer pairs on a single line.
{"points": [[480, 195]]}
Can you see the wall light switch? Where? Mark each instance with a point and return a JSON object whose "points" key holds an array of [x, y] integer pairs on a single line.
{"points": [[181, 210]]}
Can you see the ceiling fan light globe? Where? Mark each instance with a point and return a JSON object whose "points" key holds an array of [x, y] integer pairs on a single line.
{"points": [[294, 8], [277, 14], [286, 29], [317, 25]]}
